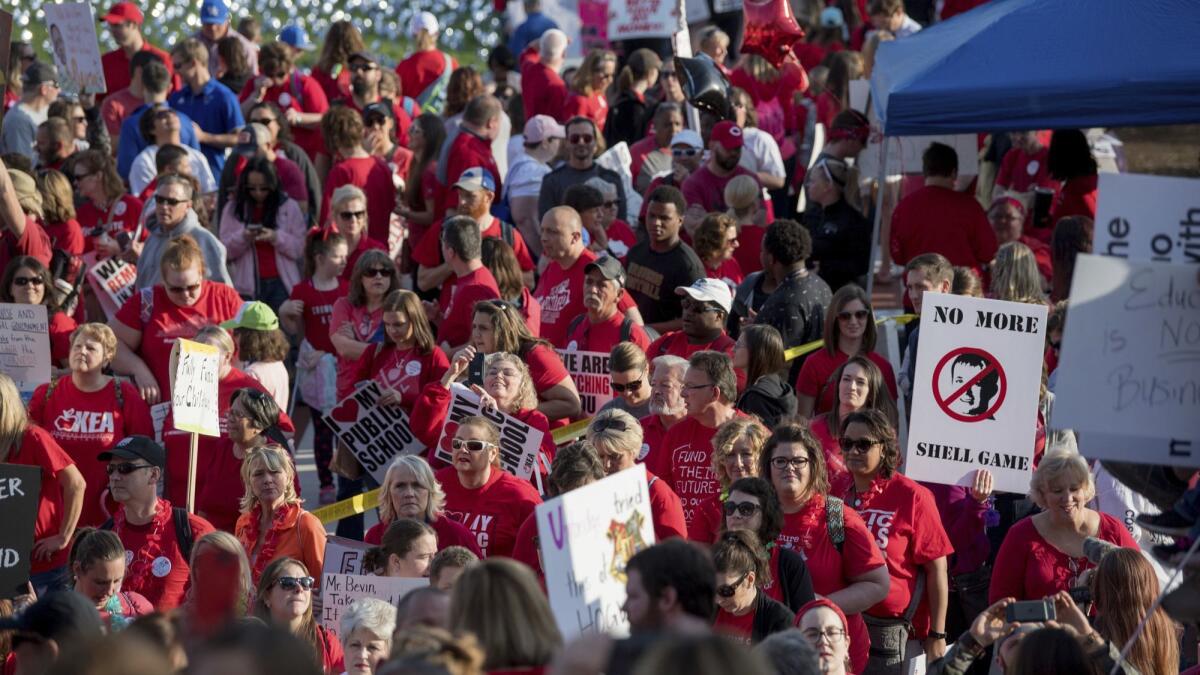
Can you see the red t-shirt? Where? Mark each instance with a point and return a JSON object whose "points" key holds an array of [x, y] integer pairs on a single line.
{"points": [[677, 344], [449, 533], [374, 177], [60, 326], [816, 375], [542, 91], [38, 448], [160, 321], [738, 628], [168, 587], [318, 307], [748, 254], [33, 242], [116, 68], [67, 236], [1029, 568], [729, 271], [365, 244], [334, 87], [666, 509], [1077, 197], [935, 219], [835, 464], [639, 151], [600, 337], [406, 371], [1022, 172], [303, 94], [420, 70], [365, 325], [467, 150], [706, 520], [689, 446], [546, 368], [457, 303], [493, 512], [86, 424], [428, 251], [593, 107], [560, 293], [527, 548], [619, 231], [707, 189], [121, 216], [807, 532], [652, 454]]}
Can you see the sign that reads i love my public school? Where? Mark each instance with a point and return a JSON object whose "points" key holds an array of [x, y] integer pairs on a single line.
{"points": [[375, 434]]}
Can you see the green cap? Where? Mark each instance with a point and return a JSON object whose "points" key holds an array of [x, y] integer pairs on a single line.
{"points": [[255, 316]]}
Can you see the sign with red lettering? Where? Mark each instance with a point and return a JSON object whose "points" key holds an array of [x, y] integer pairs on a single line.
{"points": [[519, 442], [112, 280], [643, 18], [375, 434], [589, 372]]}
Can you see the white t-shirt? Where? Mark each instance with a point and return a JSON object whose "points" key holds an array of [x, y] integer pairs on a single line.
{"points": [[143, 171], [524, 178], [761, 152]]}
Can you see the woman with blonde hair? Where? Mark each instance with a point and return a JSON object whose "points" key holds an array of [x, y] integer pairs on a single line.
{"points": [[1015, 275], [500, 602], [58, 213], [588, 95], [410, 490], [284, 599], [1124, 587], [743, 195], [423, 74], [273, 525], [736, 448], [406, 360], [617, 437]]}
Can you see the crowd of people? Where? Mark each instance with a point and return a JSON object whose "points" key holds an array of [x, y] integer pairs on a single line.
{"points": [[323, 221]]}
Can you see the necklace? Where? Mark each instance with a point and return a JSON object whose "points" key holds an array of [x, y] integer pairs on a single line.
{"points": [[147, 568]]}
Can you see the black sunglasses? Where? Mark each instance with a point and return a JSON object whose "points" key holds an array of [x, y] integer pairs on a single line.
{"points": [[168, 201], [29, 281], [622, 388], [581, 138], [183, 289], [377, 272], [729, 590], [744, 509], [857, 314], [125, 468], [857, 445], [292, 583], [349, 215]]}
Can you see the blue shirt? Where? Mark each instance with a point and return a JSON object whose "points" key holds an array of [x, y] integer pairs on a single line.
{"points": [[216, 110], [131, 142], [535, 24]]}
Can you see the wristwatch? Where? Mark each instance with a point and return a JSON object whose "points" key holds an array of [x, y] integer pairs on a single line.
{"points": [[936, 635]]}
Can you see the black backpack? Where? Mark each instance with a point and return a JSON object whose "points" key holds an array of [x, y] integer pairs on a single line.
{"points": [[183, 531]]}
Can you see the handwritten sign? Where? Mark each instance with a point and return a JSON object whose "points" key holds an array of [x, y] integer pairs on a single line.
{"points": [[629, 19], [375, 434], [586, 537], [1148, 218], [19, 488], [339, 591], [589, 371], [112, 280], [73, 41], [344, 556], [519, 442], [25, 345], [194, 387], [976, 391]]}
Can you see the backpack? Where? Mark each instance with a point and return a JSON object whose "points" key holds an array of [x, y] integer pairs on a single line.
{"points": [[835, 522], [183, 531], [434, 96], [626, 327]]}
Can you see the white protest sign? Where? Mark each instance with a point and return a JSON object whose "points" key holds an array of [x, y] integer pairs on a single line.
{"points": [[194, 388], [1131, 352], [976, 391], [860, 94], [343, 556], [628, 19], [76, 50], [519, 442], [158, 417], [904, 152], [113, 281], [375, 434], [339, 591], [1148, 218], [589, 372], [25, 345], [586, 538]]}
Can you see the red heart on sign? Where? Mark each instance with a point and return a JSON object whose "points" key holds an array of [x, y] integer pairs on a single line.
{"points": [[347, 412], [448, 432]]}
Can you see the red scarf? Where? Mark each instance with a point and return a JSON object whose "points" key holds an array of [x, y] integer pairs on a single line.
{"points": [[139, 575], [812, 517], [861, 500], [284, 519]]}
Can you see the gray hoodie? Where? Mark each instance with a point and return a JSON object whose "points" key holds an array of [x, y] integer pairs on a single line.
{"points": [[148, 272]]}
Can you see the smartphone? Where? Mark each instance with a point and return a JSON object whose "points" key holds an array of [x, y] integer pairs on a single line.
{"points": [[124, 240], [1043, 199], [1082, 595], [254, 227], [475, 370], [1031, 611]]}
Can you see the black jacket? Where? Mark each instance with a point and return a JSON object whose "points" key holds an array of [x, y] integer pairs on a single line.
{"points": [[627, 120], [770, 616], [795, 582], [841, 241], [770, 398]]}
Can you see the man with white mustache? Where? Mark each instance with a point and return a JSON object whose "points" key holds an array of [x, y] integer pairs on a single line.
{"points": [[667, 408]]}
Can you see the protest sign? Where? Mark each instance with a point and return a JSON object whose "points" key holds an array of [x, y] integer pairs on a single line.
{"points": [[586, 537], [1131, 352], [628, 19], [976, 391], [112, 281], [375, 434], [194, 387], [589, 371], [519, 442], [76, 50], [593, 19], [6, 26], [339, 591], [1148, 218], [25, 345], [343, 556], [158, 418], [19, 488]]}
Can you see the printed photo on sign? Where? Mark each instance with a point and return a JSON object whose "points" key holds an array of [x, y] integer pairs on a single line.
{"points": [[519, 442], [375, 434], [19, 489], [25, 345], [976, 391], [1148, 218], [73, 43], [589, 372], [339, 591]]}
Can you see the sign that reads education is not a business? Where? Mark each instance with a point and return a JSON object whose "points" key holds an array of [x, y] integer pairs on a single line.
{"points": [[375, 434], [976, 391], [19, 489], [519, 442], [589, 372]]}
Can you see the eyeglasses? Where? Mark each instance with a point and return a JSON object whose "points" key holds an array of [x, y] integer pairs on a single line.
{"points": [[29, 281], [858, 315], [629, 386], [782, 463], [471, 446], [699, 307], [377, 272], [293, 583], [729, 590], [699, 386], [265, 121], [169, 201], [183, 289], [581, 139], [125, 468], [684, 152], [833, 634], [352, 215], [744, 509], [859, 446]]}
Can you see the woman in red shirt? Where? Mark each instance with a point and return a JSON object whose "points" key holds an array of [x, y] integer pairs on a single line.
{"points": [[425, 138], [849, 331], [588, 95], [845, 563], [825, 627], [299, 97], [498, 256], [58, 209], [28, 282], [753, 505], [744, 612], [98, 566], [406, 360], [1070, 160], [860, 386], [353, 165], [908, 528], [410, 490], [105, 209], [284, 598], [1043, 554], [736, 449], [715, 241]]}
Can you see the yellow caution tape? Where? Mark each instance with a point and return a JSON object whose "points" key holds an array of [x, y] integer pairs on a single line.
{"points": [[801, 350], [348, 507]]}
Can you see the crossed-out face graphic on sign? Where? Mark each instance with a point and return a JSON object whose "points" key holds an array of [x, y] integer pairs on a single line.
{"points": [[969, 385]]}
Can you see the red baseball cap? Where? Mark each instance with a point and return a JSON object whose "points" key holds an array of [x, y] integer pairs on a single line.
{"points": [[122, 12], [728, 134]]}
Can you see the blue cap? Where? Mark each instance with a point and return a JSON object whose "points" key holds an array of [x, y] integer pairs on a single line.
{"points": [[214, 12], [295, 37], [476, 178]]}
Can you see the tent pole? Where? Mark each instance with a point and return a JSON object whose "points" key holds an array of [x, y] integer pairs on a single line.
{"points": [[880, 186]]}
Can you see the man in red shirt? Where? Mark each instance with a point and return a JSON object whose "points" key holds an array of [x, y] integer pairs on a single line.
{"points": [[666, 410], [542, 89], [704, 190], [426, 74], [149, 528], [462, 248], [603, 326], [119, 103], [472, 146], [706, 305], [939, 219], [125, 26]]}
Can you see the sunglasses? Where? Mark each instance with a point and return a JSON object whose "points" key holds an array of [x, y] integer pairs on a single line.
{"points": [[352, 215], [699, 307], [168, 201], [377, 272], [744, 509], [684, 152], [859, 446], [609, 423], [471, 446], [292, 583], [782, 463], [183, 289], [125, 468], [29, 281], [858, 315], [729, 590], [367, 67], [265, 121], [581, 139], [630, 387]]}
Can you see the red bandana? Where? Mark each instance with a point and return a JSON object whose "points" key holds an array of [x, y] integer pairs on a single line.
{"points": [[139, 576], [284, 519]]}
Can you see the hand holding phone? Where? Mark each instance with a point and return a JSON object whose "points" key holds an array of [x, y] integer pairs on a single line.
{"points": [[1031, 611]]}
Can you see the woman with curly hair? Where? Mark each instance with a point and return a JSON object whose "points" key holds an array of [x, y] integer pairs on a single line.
{"points": [[715, 241], [736, 448], [465, 84], [343, 129]]}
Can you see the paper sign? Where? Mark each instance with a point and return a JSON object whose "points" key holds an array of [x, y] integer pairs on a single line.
{"points": [[904, 152], [628, 19], [339, 591], [589, 371], [25, 345], [375, 434], [586, 537], [1131, 350], [1148, 218], [76, 50], [194, 387], [519, 442], [343, 556], [158, 417], [976, 391], [19, 488], [593, 19], [112, 280]]}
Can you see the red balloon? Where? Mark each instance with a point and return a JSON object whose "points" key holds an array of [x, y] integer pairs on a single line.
{"points": [[771, 30]]}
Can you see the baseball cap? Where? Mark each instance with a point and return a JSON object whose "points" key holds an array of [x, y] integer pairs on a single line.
{"points": [[476, 178], [294, 36], [137, 447], [540, 127], [368, 56], [213, 12], [249, 138], [423, 21], [122, 12], [27, 191], [832, 17], [39, 73], [689, 138], [708, 290], [609, 267], [253, 315], [378, 108], [64, 616], [728, 134]]}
